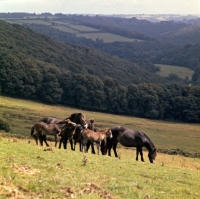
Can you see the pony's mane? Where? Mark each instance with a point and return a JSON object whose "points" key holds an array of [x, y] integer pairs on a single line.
{"points": [[148, 142]]}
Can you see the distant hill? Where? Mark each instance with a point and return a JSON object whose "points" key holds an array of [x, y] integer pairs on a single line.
{"points": [[183, 36], [23, 44]]}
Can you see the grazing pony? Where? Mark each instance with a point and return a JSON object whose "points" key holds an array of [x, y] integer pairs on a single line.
{"points": [[131, 138], [97, 137], [42, 129]]}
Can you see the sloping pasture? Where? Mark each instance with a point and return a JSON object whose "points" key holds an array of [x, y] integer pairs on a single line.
{"points": [[106, 37], [181, 72], [31, 171], [65, 29], [33, 21], [22, 114]]}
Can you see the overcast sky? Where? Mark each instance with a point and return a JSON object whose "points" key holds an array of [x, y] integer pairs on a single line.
{"points": [[102, 6]]}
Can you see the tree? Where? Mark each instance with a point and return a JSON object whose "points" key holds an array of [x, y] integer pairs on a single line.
{"points": [[111, 91], [50, 91]]}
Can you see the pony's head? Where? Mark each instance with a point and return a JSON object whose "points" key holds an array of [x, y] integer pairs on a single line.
{"points": [[78, 118], [82, 119], [152, 156]]}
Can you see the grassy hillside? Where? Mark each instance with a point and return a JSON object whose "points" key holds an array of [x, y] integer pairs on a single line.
{"points": [[181, 72], [31, 171], [22, 114]]}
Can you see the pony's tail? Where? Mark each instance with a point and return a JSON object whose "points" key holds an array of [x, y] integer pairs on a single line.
{"points": [[32, 130]]}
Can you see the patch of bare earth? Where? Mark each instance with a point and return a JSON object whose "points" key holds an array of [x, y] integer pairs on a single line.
{"points": [[24, 169], [8, 190], [93, 188]]}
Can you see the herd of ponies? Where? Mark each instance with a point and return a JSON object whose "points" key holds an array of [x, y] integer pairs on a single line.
{"points": [[75, 128]]}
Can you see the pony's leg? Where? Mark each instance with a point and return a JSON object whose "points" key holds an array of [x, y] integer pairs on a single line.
{"points": [[98, 148], [60, 143], [80, 146], [84, 143], [103, 147], [36, 139], [92, 146], [56, 140], [88, 145], [65, 138], [139, 150], [71, 143], [141, 154], [74, 145], [115, 149], [65, 143], [43, 138]]}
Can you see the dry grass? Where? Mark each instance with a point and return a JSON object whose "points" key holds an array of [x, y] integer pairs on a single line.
{"points": [[31, 171]]}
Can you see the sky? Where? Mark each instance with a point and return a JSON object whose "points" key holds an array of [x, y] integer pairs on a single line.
{"points": [[183, 7]]}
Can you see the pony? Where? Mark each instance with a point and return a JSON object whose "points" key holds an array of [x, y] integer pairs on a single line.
{"points": [[77, 137], [78, 118], [97, 137], [67, 133], [131, 138], [41, 129]]}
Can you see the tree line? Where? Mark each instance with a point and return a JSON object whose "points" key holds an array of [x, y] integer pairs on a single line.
{"points": [[57, 86]]}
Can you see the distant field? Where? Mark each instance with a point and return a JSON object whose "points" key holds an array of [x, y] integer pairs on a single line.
{"points": [[182, 72], [65, 29], [83, 28], [106, 37], [60, 22], [68, 27], [33, 21]]}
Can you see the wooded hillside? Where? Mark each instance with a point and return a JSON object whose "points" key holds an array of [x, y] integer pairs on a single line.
{"points": [[38, 67]]}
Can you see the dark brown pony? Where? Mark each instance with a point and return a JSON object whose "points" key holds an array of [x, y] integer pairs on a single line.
{"points": [[41, 129], [131, 138], [78, 118], [97, 137], [77, 137], [67, 133]]}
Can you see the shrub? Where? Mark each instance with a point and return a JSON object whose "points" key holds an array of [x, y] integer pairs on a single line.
{"points": [[4, 126]]}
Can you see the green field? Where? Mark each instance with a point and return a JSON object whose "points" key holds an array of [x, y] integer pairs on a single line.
{"points": [[106, 37], [22, 114], [31, 171], [65, 29], [33, 21], [79, 30], [83, 28], [182, 72], [60, 22]]}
